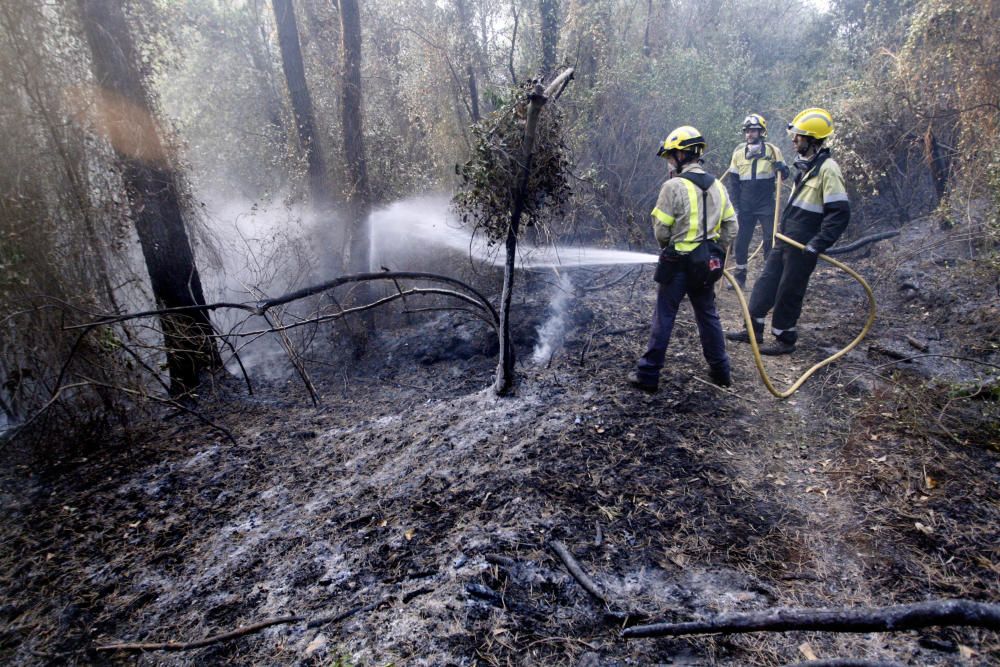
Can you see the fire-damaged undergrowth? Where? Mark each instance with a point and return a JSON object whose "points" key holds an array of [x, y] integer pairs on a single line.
{"points": [[416, 498]]}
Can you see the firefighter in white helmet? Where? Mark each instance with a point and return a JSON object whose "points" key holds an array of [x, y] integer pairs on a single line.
{"points": [[816, 214], [752, 174]]}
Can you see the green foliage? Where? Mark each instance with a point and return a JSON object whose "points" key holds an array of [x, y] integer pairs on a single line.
{"points": [[490, 179]]}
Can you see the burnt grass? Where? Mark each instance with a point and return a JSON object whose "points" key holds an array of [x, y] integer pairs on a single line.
{"points": [[415, 498]]}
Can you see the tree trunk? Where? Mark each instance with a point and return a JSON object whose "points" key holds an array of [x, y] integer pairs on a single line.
{"points": [[127, 118], [302, 107], [359, 194], [472, 53], [504, 381], [937, 163], [645, 33], [549, 11]]}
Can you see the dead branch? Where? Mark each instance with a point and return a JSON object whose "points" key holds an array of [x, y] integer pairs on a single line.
{"points": [[885, 619], [293, 357], [923, 347], [261, 307], [241, 632], [215, 639], [574, 569], [846, 662], [167, 401], [941, 356], [887, 351], [860, 243], [368, 306]]}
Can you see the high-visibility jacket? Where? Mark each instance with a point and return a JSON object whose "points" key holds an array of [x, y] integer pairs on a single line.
{"points": [[818, 211], [677, 216], [752, 177]]}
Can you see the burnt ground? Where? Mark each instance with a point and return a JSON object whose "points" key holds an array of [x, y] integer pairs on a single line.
{"points": [[413, 486]]}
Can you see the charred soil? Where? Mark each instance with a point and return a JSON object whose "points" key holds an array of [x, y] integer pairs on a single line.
{"points": [[415, 497]]}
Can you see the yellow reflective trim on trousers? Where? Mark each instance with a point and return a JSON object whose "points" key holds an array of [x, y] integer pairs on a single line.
{"points": [[694, 219], [664, 219]]}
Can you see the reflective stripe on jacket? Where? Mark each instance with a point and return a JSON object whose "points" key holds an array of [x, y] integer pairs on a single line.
{"points": [[818, 211], [752, 178], [677, 216]]}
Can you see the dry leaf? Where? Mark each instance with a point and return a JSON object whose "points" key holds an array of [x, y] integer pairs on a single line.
{"points": [[409, 534], [926, 530], [383, 523], [316, 644], [966, 652], [930, 482], [806, 650]]}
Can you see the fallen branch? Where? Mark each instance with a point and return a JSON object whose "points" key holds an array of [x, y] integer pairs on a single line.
{"points": [[215, 639], [923, 347], [887, 351], [860, 243], [885, 619], [574, 569], [241, 632], [846, 662]]}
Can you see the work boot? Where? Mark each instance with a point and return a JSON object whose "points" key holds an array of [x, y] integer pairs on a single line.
{"points": [[642, 383], [721, 378], [777, 348], [741, 280], [744, 337], [738, 336]]}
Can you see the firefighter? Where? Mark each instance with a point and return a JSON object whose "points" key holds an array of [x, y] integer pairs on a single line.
{"points": [[816, 215], [752, 175], [693, 208]]}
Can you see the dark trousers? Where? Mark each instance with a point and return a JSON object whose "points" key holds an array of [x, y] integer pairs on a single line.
{"points": [[748, 223], [782, 286], [668, 300]]}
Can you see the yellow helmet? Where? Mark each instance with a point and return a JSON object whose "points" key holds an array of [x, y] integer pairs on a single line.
{"points": [[813, 122], [682, 139], [755, 122]]}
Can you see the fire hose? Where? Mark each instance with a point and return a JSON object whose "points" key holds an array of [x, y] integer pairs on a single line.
{"points": [[829, 360]]}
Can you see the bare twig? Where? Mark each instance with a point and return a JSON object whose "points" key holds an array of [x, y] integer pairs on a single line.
{"points": [[214, 639], [241, 632], [574, 569], [885, 619], [847, 662], [293, 357]]}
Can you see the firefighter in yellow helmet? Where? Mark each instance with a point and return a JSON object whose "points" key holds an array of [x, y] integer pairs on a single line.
{"points": [[816, 214], [693, 216], [752, 173]]}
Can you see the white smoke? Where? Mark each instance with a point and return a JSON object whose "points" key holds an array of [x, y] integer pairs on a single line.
{"points": [[258, 249], [552, 331]]}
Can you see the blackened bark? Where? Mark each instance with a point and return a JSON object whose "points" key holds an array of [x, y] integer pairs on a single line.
{"points": [[153, 193], [549, 10], [359, 193], [473, 53], [302, 106], [504, 380], [937, 163]]}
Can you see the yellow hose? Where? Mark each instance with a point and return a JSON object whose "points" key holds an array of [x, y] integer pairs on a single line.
{"points": [[826, 362]]}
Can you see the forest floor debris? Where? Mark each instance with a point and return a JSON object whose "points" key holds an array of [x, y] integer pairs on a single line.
{"points": [[874, 485]]}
